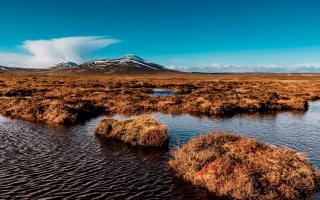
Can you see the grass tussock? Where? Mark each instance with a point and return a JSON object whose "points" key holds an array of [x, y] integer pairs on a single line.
{"points": [[242, 168], [141, 131], [51, 111]]}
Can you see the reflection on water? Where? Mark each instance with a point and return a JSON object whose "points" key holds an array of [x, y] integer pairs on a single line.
{"points": [[19, 97], [162, 92], [38, 161]]}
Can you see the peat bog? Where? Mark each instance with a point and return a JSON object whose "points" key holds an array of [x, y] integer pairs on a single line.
{"points": [[58, 99], [71, 100]]}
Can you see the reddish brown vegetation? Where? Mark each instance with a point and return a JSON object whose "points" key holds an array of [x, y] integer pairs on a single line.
{"points": [[69, 99], [142, 131], [242, 168]]}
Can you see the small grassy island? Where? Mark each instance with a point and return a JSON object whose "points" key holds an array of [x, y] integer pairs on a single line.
{"points": [[242, 168], [140, 131]]}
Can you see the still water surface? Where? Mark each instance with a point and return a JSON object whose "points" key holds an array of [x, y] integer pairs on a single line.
{"points": [[39, 161], [162, 92]]}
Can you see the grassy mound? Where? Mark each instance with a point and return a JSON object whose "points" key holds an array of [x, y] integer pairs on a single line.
{"points": [[52, 111], [142, 131], [242, 168]]}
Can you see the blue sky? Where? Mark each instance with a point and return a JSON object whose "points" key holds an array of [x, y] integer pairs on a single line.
{"points": [[189, 34]]}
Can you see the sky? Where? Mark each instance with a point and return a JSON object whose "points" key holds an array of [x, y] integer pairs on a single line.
{"points": [[189, 35]]}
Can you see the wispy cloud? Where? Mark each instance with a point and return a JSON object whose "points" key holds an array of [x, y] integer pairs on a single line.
{"points": [[220, 67], [45, 53]]}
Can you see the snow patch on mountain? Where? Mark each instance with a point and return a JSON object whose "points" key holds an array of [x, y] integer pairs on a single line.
{"points": [[64, 65], [126, 61]]}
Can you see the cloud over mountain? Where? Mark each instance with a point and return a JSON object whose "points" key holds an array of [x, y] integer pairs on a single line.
{"points": [[45, 53]]}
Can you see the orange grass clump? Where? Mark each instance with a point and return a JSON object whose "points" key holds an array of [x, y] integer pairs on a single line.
{"points": [[235, 167], [141, 131]]}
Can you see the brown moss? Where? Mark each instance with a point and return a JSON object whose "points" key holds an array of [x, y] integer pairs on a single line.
{"points": [[243, 168], [142, 131]]}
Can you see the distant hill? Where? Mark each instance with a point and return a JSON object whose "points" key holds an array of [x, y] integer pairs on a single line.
{"points": [[64, 65], [8, 69], [4, 69], [129, 64]]}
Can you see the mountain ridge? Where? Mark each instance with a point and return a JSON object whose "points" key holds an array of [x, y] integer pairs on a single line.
{"points": [[129, 64], [64, 65]]}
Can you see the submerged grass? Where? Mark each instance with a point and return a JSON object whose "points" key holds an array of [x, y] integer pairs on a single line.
{"points": [[141, 131], [232, 166]]}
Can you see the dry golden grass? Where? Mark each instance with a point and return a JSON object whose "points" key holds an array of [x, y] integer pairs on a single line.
{"points": [[74, 98], [243, 168], [141, 131]]}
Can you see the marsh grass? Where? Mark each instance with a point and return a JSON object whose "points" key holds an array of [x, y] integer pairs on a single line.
{"points": [[67, 99], [141, 131], [236, 167]]}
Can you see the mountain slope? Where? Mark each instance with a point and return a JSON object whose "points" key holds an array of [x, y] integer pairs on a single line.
{"points": [[129, 64], [65, 65], [4, 69]]}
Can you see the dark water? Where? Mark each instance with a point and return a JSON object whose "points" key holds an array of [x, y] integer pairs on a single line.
{"points": [[162, 92], [38, 161]]}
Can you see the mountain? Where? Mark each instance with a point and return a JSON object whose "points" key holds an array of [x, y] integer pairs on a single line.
{"points": [[3, 69], [10, 69], [129, 64], [65, 65], [14, 69]]}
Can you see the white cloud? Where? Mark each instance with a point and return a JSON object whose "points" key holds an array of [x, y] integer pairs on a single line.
{"points": [[220, 67], [46, 53], [13, 59]]}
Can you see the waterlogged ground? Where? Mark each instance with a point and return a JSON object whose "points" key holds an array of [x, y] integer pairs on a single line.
{"points": [[39, 161], [162, 92]]}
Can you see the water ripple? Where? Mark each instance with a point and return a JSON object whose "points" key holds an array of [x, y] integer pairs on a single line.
{"points": [[38, 161]]}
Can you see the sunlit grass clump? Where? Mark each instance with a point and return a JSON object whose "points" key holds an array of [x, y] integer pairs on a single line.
{"points": [[242, 168], [141, 131]]}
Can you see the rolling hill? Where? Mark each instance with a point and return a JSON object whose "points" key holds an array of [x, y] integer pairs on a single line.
{"points": [[129, 64]]}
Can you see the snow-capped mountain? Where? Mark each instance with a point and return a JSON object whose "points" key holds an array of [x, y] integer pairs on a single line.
{"points": [[129, 64], [3, 69], [126, 64], [13, 69], [65, 65]]}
